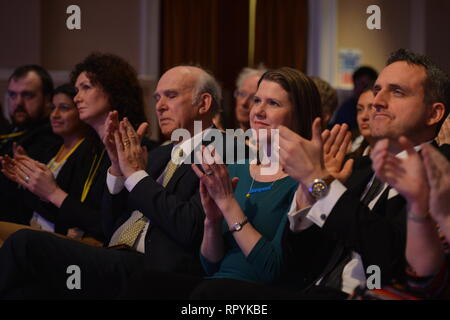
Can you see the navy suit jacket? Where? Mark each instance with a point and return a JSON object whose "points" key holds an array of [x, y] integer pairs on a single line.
{"points": [[175, 212], [378, 235]]}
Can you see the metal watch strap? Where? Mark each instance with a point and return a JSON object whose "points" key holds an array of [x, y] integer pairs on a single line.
{"points": [[323, 184]]}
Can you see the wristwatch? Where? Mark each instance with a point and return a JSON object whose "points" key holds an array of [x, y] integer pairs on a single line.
{"points": [[319, 187], [238, 225]]}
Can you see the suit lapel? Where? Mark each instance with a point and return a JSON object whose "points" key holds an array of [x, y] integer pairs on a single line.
{"points": [[362, 173], [158, 160]]}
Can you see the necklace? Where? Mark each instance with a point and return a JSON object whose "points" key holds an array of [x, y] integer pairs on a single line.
{"points": [[262, 189]]}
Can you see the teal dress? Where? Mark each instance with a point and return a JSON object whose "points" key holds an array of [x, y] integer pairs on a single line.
{"points": [[267, 212]]}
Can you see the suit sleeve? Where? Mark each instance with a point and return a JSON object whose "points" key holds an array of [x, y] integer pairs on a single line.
{"points": [[379, 236], [181, 219], [112, 210]]}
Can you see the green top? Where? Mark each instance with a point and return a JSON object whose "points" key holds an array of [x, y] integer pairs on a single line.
{"points": [[267, 212]]}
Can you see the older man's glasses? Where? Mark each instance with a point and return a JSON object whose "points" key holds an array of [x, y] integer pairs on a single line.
{"points": [[238, 94]]}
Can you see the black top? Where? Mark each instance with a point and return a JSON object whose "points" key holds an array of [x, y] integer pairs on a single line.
{"points": [[72, 179], [41, 144]]}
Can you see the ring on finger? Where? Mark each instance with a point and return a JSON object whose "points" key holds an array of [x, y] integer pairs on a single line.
{"points": [[27, 179], [126, 144], [208, 172]]}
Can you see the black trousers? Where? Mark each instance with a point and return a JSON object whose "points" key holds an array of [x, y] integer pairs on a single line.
{"points": [[37, 265], [154, 285]]}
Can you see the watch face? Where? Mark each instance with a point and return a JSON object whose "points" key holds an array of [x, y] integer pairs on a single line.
{"points": [[319, 189]]}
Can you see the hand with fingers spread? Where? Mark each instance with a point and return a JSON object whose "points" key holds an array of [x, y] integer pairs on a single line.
{"points": [[38, 179], [335, 145], [437, 169], [302, 159], [132, 157], [407, 175]]}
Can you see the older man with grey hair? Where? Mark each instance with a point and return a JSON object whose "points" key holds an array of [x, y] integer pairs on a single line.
{"points": [[152, 214], [246, 86]]}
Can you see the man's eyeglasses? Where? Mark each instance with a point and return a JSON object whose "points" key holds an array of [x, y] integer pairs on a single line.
{"points": [[243, 95]]}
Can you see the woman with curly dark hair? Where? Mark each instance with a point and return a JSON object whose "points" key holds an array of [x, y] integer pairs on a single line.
{"points": [[103, 83], [114, 78]]}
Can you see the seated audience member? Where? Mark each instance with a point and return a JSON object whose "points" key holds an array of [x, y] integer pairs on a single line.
{"points": [[422, 179], [444, 134], [364, 142], [246, 85], [365, 216], [154, 218], [74, 200], [244, 229], [78, 215], [29, 97], [363, 77], [328, 98]]}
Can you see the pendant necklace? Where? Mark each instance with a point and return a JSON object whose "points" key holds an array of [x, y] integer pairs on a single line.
{"points": [[262, 189]]}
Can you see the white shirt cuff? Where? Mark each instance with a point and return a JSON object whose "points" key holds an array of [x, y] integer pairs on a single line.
{"points": [[320, 211], [297, 218], [114, 183], [134, 179]]}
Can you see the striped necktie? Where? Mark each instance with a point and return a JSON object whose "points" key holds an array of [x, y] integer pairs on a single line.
{"points": [[130, 234], [172, 166]]}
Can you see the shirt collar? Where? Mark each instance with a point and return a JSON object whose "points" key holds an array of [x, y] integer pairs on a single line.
{"points": [[404, 154]]}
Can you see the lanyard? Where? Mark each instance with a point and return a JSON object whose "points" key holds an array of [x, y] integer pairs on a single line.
{"points": [[92, 173], [53, 165], [12, 135]]}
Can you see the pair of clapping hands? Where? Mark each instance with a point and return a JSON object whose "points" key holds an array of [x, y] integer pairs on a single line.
{"points": [[37, 178], [421, 178], [30, 174], [303, 159], [123, 145], [322, 156], [216, 187]]}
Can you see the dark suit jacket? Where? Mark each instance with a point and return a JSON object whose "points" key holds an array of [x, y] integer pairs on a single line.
{"points": [[175, 212], [378, 235]]}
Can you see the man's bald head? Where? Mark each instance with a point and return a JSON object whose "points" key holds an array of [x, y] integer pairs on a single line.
{"points": [[185, 94]]}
